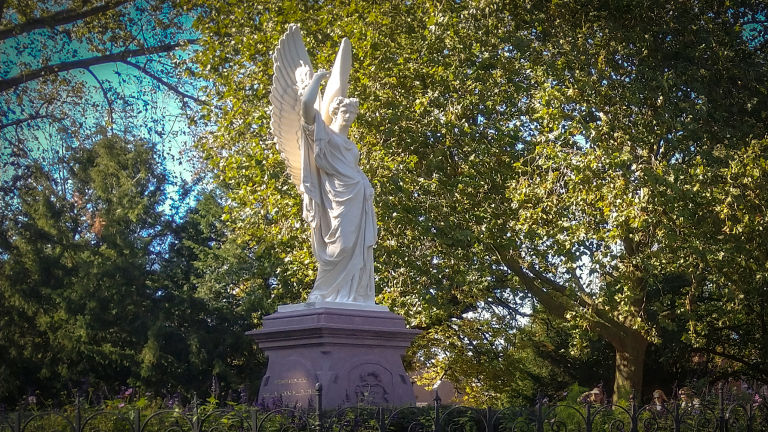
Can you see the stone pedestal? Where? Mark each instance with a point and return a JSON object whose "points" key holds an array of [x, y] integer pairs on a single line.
{"points": [[355, 354]]}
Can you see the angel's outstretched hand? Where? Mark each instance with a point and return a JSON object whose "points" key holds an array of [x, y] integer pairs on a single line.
{"points": [[322, 75]]}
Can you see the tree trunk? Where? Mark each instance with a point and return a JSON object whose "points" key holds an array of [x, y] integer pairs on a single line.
{"points": [[630, 356]]}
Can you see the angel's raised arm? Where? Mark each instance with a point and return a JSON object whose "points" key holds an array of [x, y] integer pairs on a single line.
{"points": [[309, 98]]}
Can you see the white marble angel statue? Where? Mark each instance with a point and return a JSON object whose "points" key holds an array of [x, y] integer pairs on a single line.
{"points": [[311, 135]]}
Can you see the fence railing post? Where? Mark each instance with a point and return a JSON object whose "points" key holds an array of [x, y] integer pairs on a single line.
{"points": [[588, 424], [17, 421], [634, 414], [676, 420], [78, 426], [195, 414], [436, 426], [539, 413], [720, 408], [137, 420], [254, 419], [382, 419], [318, 407]]}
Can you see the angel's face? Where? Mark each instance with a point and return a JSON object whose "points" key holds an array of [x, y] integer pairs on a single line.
{"points": [[345, 116]]}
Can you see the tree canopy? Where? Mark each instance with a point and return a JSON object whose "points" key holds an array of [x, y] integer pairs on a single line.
{"points": [[568, 154], [100, 286]]}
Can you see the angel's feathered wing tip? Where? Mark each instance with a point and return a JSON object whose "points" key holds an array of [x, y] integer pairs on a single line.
{"points": [[290, 55]]}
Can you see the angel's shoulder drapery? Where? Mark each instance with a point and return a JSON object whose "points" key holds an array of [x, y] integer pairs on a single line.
{"points": [[332, 153], [317, 133]]}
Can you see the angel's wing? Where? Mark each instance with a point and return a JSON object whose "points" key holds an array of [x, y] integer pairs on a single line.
{"points": [[338, 83], [290, 55]]}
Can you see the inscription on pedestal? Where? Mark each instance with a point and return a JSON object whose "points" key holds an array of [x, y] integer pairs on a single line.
{"points": [[303, 384], [293, 384], [291, 381], [291, 393]]}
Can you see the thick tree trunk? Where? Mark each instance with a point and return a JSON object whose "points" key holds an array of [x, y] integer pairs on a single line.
{"points": [[630, 356]]}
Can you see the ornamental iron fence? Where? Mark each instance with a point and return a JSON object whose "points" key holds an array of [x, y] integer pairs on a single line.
{"points": [[715, 415]]}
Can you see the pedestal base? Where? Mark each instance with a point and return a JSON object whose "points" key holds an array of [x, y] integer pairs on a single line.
{"points": [[355, 354]]}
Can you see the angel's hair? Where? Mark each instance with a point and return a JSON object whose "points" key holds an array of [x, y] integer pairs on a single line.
{"points": [[351, 104]]}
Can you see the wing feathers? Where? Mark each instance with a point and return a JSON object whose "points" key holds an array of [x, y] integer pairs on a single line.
{"points": [[286, 114]]}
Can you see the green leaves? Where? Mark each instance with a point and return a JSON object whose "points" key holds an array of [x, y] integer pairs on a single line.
{"points": [[98, 284], [573, 156]]}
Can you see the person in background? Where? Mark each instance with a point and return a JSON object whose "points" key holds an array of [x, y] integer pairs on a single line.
{"points": [[761, 396], [659, 401], [594, 396], [688, 400], [598, 398]]}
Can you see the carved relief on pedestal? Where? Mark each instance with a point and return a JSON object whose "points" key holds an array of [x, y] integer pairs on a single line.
{"points": [[370, 384]]}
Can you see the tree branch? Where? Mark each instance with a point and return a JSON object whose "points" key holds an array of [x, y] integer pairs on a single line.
{"points": [[614, 331], [554, 306], [28, 118], [629, 246], [167, 85], [106, 96], [723, 355], [560, 288], [57, 68], [580, 287], [59, 18], [508, 307]]}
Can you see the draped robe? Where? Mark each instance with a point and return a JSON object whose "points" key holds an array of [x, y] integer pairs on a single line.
{"points": [[338, 205]]}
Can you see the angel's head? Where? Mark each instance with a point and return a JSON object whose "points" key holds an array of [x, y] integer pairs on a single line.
{"points": [[343, 111]]}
